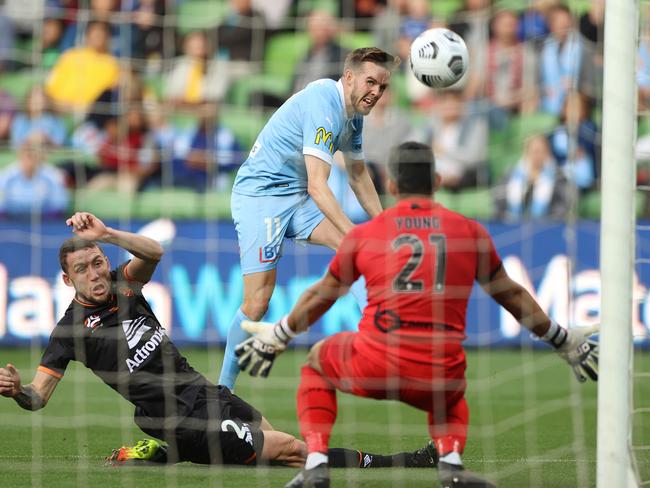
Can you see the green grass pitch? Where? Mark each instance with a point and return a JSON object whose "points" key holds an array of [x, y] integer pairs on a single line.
{"points": [[532, 425]]}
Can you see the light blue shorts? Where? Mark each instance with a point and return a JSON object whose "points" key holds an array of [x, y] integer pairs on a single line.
{"points": [[263, 222]]}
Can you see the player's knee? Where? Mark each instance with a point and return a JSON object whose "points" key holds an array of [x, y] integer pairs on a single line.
{"points": [[255, 309], [313, 358]]}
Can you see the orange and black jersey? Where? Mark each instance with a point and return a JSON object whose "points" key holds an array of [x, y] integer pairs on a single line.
{"points": [[123, 343]]}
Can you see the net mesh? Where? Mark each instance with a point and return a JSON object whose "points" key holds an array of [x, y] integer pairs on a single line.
{"points": [[531, 423]]}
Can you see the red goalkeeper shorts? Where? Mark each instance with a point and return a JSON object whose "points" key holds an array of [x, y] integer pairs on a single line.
{"points": [[352, 367]]}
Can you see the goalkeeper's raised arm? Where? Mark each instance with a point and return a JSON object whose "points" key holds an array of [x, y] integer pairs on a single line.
{"points": [[572, 345]]}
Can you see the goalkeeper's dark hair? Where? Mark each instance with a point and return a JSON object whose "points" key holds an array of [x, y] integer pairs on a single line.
{"points": [[413, 168], [370, 55], [74, 244]]}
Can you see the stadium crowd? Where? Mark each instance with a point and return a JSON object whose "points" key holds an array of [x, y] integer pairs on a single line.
{"points": [[152, 96]]}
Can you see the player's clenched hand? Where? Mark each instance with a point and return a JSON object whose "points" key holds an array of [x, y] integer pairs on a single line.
{"points": [[580, 352], [9, 381], [87, 226], [257, 353]]}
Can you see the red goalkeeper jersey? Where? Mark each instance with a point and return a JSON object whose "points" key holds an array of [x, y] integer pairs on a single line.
{"points": [[419, 261]]}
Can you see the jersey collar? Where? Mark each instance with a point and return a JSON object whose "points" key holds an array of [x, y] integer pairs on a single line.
{"points": [[93, 305], [416, 202], [339, 87]]}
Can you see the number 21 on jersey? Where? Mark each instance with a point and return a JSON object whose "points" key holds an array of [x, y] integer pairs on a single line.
{"points": [[437, 243]]}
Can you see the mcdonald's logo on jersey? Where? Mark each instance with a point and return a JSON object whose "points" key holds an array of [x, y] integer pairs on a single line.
{"points": [[325, 136]]}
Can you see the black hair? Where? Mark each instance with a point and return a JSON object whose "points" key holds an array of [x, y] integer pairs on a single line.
{"points": [[413, 168]]}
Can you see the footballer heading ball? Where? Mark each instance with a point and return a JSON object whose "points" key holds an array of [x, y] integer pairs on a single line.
{"points": [[439, 57]]}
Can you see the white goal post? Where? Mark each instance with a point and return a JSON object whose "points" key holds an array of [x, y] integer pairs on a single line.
{"points": [[614, 461]]}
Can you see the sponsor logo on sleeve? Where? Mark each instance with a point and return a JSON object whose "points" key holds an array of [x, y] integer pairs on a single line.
{"points": [[325, 136]]}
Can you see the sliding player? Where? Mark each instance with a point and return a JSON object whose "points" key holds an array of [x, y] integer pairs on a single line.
{"points": [[111, 329]]}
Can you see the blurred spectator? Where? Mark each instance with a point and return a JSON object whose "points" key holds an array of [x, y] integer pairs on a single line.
{"points": [[592, 28], [643, 63], [65, 10], [533, 25], [325, 57], [24, 14], [90, 135], [125, 154], [415, 22], [385, 127], [386, 25], [37, 119], [131, 89], [8, 107], [472, 24], [565, 62], [592, 22], [575, 143], [201, 159], [50, 41], [459, 139], [7, 42], [82, 74], [146, 28], [104, 11], [361, 11], [509, 78], [275, 12], [194, 77], [241, 35], [30, 186], [534, 188]]}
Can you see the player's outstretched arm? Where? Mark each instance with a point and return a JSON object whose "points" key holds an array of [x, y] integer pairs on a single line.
{"points": [[147, 252], [362, 186], [573, 345], [317, 173], [30, 397], [257, 353]]}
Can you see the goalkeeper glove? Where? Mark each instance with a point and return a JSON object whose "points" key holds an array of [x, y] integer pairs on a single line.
{"points": [[259, 351], [576, 349]]}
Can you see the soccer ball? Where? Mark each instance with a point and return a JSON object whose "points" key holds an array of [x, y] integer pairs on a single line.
{"points": [[439, 57]]}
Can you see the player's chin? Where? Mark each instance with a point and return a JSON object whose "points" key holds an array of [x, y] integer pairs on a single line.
{"points": [[364, 108], [100, 295]]}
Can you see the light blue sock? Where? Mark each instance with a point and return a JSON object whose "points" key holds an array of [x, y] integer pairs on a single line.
{"points": [[229, 367], [359, 292]]}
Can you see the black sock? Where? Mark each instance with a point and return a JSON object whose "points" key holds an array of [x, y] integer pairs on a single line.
{"points": [[351, 458]]}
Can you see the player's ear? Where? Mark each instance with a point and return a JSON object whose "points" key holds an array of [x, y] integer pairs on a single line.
{"points": [[67, 280], [436, 183], [392, 187]]}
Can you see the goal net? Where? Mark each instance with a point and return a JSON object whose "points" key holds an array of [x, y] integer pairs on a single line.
{"points": [[155, 151]]}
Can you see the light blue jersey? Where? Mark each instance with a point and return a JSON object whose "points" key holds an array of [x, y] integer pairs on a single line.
{"points": [[314, 122]]}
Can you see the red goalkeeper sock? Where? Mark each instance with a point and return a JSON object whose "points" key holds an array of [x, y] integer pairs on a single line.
{"points": [[450, 435], [316, 409]]}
